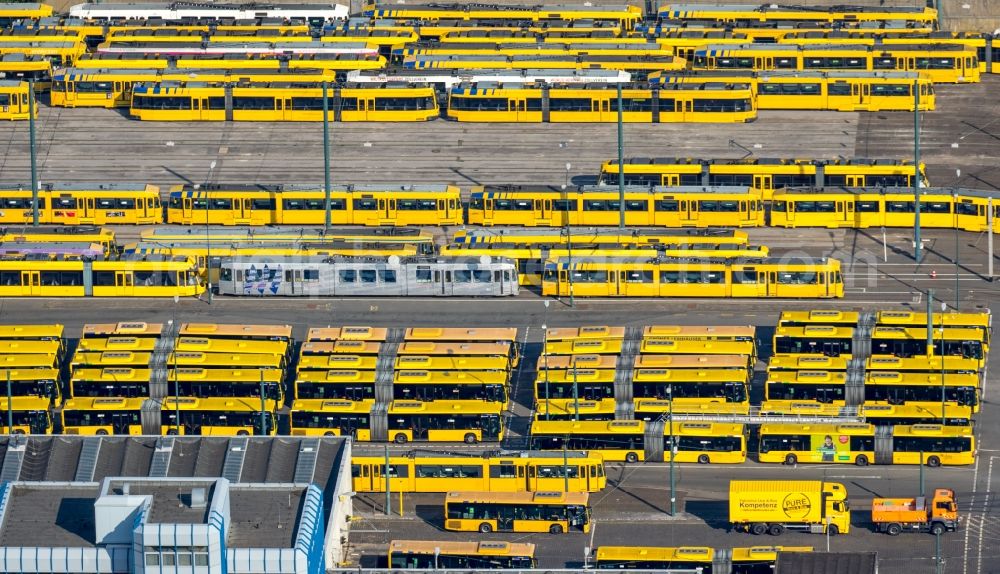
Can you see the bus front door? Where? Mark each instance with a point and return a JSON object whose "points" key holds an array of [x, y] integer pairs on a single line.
{"points": [[387, 211], [89, 214], [764, 184], [31, 282], [242, 211], [123, 283], [517, 107]]}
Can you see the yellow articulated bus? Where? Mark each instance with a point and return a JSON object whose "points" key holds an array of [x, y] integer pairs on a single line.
{"points": [[633, 441], [277, 102], [620, 277], [126, 276], [30, 415], [864, 444], [533, 103], [496, 472], [982, 321], [553, 512], [14, 106], [876, 207], [218, 416], [843, 91], [194, 62], [755, 559], [435, 421], [762, 175], [745, 14], [446, 363], [462, 555], [38, 382], [821, 317], [103, 416], [626, 16], [947, 63], [371, 205], [112, 88], [422, 385], [80, 204], [550, 206]]}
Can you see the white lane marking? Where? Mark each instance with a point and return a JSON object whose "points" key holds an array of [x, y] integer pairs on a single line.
{"points": [[982, 518], [968, 523]]}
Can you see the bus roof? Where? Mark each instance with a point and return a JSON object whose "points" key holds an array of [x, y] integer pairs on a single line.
{"points": [[589, 332], [481, 548], [458, 407], [928, 379], [453, 348], [655, 553], [807, 377], [546, 362], [324, 348], [820, 317], [931, 430], [461, 334], [133, 329], [806, 361], [101, 403], [347, 333], [843, 428], [538, 497], [242, 331], [829, 331], [914, 319], [450, 377], [234, 404], [23, 332], [920, 333], [336, 376], [251, 375], [699, 332]]}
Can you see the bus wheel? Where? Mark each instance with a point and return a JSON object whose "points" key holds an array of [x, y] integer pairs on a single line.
{"points": [[862, 460], [791, 460], [328, 433], [555, 529], [933, 461], [703, 459], [631, 457], [242, 433], [470, 438], [399, 439], [101, 432], [18, 431], [171, 432], [833, 530], [485, 528], [775, 530], [758, 528], [893, 530]]}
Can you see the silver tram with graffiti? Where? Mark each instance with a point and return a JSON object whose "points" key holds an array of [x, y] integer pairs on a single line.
{"points": [[292, 276]]}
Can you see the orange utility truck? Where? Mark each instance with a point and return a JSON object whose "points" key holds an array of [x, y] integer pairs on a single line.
{"points": [[894, 515]]}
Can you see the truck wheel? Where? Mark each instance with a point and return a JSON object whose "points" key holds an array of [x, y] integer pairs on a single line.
{"points": [[833, 530], [933, 461], [775, 530], [631, 458], [862, 460], [937, 529], [758, 528], [703, 459], [893, 530], [791, 460]]}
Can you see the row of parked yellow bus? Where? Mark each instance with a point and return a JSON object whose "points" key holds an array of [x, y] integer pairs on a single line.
{"points": [[735, 197]]}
